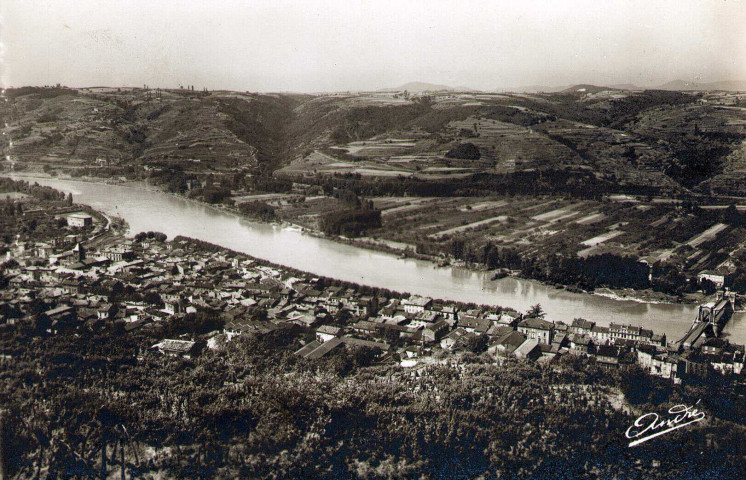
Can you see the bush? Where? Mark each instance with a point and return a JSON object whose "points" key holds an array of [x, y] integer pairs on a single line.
{"points": [[260, 210], [466, 151], [350, 223]]}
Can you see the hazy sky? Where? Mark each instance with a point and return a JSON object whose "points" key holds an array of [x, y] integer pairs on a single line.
{"points": [[330, 45]]}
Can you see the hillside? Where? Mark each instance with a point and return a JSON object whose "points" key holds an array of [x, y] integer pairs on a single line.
{"points": [[127, 130], [633, 142]]}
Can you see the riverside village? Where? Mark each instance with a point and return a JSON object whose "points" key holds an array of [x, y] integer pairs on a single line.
{"points": [[69, 270]]}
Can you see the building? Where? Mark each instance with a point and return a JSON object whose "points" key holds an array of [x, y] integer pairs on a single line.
{"points": [[718, 277], [416, 304], [667, 366], [79, 220], [319, 349], [645, 355], [119, 253], [507, 344], [537, 329], [529, 350], [630, 332], [581, 344], [608, 356], [600, 334], [327, 332], [435, 332], [581, 326], [457, 338], [714, 346], [474, 324]]}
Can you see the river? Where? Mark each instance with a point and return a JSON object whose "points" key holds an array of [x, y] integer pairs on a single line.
{"points": [[146, 209]]}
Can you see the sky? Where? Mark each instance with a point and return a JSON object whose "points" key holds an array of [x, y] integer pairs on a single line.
{"points": [[331, 45]]}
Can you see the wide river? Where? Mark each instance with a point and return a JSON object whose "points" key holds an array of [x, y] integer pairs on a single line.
{"points": [[145, 209]]}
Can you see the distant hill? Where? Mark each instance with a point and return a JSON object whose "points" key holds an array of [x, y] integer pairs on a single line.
{"points": [[419, 87], [569, 89], [586, 88], [728, 85], [625, 86], [679, 85], [532, 89]]}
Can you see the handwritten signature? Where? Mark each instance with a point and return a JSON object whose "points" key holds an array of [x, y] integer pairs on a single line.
{"points": [[651, 425]]}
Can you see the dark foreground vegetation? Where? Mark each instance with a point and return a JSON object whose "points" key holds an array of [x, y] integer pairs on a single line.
{"points": [[82, 406]]}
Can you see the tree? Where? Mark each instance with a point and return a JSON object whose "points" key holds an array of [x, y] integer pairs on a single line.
{"points": [[708, 286], [69, 200], [477, 344], [535, 311], [457, 248], [731, 216], [467, 151]]}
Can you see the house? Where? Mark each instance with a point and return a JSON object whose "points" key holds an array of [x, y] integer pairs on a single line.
{"points": [[581, 326], [106, 310], [62, 314], [450, 314], [659, 340], [696, 365], [416, 304], [507, 320], [507, 344], [537, 328], [561, 339], [242, 326], [424, 318], [718, 277], [474, 325], [728, 362], [528, 350], [367, 327], [413, 351], [645, 355], [119, 253], [626, 332], [549, 352], [667, 366], [497, 331], [79, 220], [600, 335], [316, 349], [581, 344], [301, 318], [71, 287], [608, 356], [456, 339], [714, 346], [327, 332], [134, 325], [434, 332]]}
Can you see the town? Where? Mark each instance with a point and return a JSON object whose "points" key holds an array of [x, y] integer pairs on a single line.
{"points": [[86, 277]]}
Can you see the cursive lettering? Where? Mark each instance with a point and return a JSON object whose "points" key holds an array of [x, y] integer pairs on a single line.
{"points": [[652, 425]]}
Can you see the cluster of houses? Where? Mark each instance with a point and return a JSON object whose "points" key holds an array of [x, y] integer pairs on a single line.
{"points": [[66, 291]]}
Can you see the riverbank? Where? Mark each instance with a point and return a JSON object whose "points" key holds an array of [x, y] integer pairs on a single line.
{"points": [[650, 296], [398, 249]]}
